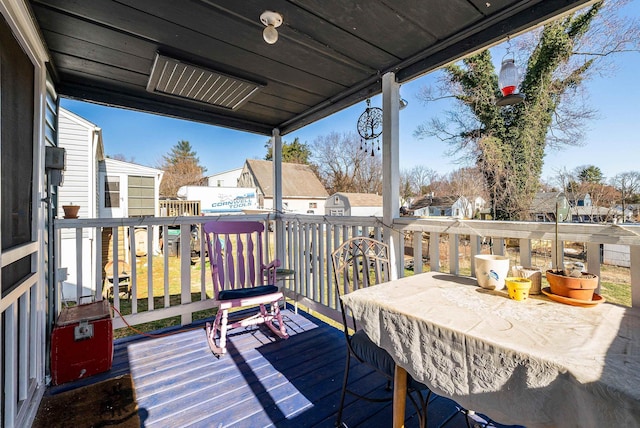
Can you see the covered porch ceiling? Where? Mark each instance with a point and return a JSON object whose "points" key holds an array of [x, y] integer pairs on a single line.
{"points": [[206, 60]]}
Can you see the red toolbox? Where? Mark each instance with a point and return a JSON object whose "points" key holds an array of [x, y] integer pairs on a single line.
{"points": [[81, 342]]}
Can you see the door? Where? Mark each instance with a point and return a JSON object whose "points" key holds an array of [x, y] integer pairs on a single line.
{"points": [[113, 195]]}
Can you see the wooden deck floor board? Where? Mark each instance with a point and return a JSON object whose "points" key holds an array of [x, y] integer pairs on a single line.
{"points": [[262, 381]]}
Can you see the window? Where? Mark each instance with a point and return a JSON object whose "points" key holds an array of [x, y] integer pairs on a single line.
{"points": [[336, 212], [220, 183], [112, 192], [141, 196], [337, 200], [313, 205]]}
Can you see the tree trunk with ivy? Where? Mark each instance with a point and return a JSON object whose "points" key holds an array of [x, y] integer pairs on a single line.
{"points": [[508, 143]]}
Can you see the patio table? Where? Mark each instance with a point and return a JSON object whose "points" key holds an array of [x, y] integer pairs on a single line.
{"points": [[538, 362]]}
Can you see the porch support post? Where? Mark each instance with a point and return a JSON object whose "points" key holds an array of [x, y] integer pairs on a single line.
{"points": [[277, 192], [391, 170]]}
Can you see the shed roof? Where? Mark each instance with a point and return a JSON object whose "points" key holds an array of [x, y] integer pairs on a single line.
{"points": [[362, 199], [298, 180]]}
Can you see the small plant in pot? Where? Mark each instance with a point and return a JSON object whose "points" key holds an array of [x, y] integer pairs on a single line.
{"points": [[570, 282], [71, 210]]}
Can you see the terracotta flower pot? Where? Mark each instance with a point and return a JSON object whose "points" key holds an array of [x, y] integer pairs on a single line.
{"points": [[580, 288], [71, 211]]}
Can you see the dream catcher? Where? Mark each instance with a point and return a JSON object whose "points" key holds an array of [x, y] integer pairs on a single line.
{"points": [[370, 128]]}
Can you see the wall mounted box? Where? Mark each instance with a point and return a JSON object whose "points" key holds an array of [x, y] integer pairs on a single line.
{"points": [[81, 342]]}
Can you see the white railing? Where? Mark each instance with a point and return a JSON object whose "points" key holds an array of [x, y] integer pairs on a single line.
{"points": [[306, 247]]}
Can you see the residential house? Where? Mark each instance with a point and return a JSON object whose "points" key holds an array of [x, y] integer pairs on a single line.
{"points": [[302, 191], [581, 209], [543, 207], [227, 178], [353, 204], [446, 206], [103, 188], [579, 199]]}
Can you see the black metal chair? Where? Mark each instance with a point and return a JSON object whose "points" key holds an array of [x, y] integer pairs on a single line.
{"points": [[362, 262]]}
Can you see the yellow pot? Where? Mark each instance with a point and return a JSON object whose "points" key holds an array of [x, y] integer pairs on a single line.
{"points": [[518, 287]]}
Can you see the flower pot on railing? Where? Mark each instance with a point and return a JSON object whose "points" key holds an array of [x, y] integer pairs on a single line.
{"points": [[71, 211]]}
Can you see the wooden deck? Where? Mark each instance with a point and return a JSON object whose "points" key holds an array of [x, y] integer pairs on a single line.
{"points": [[261, 382]]}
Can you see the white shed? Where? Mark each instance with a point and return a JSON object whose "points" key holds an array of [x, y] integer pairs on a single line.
{"points": [[353, 204], [103, 188]]}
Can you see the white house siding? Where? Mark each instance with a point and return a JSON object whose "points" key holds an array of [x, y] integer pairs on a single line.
{"points": [[617, 255], [366, 211], [225, 178], [76, 136], [80, 139], [301, 206]]}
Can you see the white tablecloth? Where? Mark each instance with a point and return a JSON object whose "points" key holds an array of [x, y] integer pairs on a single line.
{"points": [[536, 363]]}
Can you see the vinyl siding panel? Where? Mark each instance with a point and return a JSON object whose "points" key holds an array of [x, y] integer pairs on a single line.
{"points": [[76, 139]]}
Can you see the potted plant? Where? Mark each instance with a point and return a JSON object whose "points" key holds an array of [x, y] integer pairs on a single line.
{"points": [[569, 282], [71, 210]]}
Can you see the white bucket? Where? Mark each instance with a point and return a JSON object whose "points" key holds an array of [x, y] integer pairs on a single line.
{"points": [[491, 271]]}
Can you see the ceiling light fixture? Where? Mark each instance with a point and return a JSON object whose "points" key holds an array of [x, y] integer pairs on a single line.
{"points": [[271, 20]]}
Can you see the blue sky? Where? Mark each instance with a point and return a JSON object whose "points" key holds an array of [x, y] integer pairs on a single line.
{"points": [[612, 141]]}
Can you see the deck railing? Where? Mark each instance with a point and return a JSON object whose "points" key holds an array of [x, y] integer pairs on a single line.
{"points": [[306, 245]]}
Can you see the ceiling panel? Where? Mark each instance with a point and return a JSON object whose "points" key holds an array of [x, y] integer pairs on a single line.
{"points": [[330, 53]]}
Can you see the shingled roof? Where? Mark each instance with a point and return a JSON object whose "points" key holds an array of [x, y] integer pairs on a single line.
{"points": [[362, 199], [298, 180], [544, 202]]}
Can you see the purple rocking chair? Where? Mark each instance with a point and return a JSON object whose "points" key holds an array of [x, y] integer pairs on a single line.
{"points": [[235, 251]]}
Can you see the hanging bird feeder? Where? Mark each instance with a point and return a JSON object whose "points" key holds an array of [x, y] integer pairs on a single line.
{"points": [[508, 80]]}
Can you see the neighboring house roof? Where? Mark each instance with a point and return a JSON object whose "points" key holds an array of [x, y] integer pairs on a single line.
{"points": [[431, 201], [362, 199], [576, 196], [544, 202], [298, 180], [594, 211]]}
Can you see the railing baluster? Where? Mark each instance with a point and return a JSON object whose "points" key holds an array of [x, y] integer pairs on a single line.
{"points": [[454, 254], [165, 254], [434, 251], [79, 291], [635, 275], [525, 252], [417, 252], [185, 269], [115, 238], [150, 296], [98, 268], [133, 274]]}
